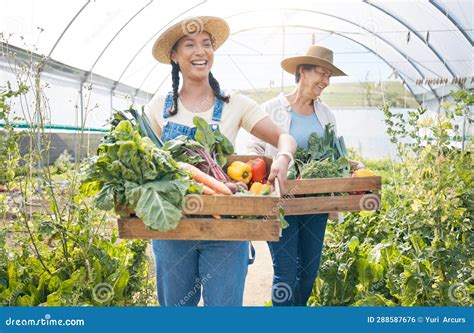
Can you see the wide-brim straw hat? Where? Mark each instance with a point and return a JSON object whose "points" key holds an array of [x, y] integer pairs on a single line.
{"points": [[215, 26], [315, 55]]}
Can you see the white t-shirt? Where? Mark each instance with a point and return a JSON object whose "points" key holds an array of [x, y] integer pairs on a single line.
{"points": [[241, 111]]}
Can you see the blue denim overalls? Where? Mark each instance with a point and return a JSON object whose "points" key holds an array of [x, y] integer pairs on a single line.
{"points": [[183, 267]]}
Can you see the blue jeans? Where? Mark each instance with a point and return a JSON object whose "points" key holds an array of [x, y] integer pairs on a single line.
{"points": [[184, 267], [296, 257]]}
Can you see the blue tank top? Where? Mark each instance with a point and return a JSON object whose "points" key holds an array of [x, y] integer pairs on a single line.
{"points": [[302, 126]]}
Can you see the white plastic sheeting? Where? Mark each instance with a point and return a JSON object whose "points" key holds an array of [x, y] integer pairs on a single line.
{"points": [[372, 40]]}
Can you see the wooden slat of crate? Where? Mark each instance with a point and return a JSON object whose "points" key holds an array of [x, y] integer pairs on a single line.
{"points": [[317, 205], [196, 204], [230, 205], [204, 229], [330, 185]]}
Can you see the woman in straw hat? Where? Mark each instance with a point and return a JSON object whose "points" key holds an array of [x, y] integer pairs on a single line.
{"points": [[297, 254], [218, 267]]}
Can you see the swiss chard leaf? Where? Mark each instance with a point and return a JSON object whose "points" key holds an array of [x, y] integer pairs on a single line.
{"points": [[215, 143], [156, 212], [224, 143], [204, 134], [105, 198]]}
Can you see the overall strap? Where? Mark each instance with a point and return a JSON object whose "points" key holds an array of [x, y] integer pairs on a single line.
{"points": [[218, 107]]}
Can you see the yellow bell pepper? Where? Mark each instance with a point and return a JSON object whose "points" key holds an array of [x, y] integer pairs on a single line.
{"points": [[363, 173], [260, 189], [240, 172]]}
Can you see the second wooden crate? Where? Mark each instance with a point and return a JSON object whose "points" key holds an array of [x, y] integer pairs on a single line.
{"points": [[342, 194]]}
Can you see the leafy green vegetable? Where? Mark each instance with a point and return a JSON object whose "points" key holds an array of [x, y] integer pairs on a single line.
{"points": [[209, 152], [214, 142], [293, 172], [325, 169], [133, 172], [281, 216], [325, 157], [204, 134], [140, 119], [154, 207], [180, 148]]}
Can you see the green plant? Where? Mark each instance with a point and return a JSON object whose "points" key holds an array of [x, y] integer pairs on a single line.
{"points": [[324, 157], [9, 152], [417, 250], [55, 247], [73, 264], [63, 163], [214, 142], [130, 170]]}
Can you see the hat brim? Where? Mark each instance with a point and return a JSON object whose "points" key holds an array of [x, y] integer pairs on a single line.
{"points": [[290, 64], [215, 26]]}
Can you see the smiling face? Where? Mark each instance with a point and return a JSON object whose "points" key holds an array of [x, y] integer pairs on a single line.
{"points": [[195, 56], [313, 81]]}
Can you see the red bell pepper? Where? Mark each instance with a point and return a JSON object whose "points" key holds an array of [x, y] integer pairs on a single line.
{"points": [[259, 169]]}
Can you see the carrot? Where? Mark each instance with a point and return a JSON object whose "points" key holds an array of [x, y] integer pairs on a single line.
{"points": [[207, 190], [205, 179], [217, 217]]}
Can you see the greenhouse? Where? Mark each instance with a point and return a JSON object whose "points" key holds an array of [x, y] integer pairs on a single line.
{"points": [[90, 172]]}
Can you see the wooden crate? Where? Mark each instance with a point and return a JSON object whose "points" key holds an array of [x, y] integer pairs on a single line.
{"points": [[341, 191], [194, 227], [204, 229]]}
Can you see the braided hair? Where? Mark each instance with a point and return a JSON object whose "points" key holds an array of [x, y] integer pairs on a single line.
{"points": [[175, 78], [217, 89]]}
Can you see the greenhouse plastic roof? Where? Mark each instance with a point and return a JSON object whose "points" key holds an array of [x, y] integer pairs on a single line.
{"points": [[372, 40]]}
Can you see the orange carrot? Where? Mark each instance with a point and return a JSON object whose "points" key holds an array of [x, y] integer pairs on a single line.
{"points": [[207, 190], [205, 179], [217, 217]]}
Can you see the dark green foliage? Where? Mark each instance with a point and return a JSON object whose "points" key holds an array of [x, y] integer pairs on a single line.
{"points": [[325, 157], [417, 249], [131, 170]]}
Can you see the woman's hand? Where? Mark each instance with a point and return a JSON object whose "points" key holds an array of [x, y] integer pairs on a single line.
{"points": [[280, 169], [273, 134], [356, 165]]}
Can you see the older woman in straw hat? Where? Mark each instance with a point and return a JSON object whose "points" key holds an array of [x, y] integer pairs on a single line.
{"points": [[297, 254], [219, 268]]}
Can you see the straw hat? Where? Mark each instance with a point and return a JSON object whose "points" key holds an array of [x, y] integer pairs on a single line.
{"points": [[315, 55], [215, 26]]}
